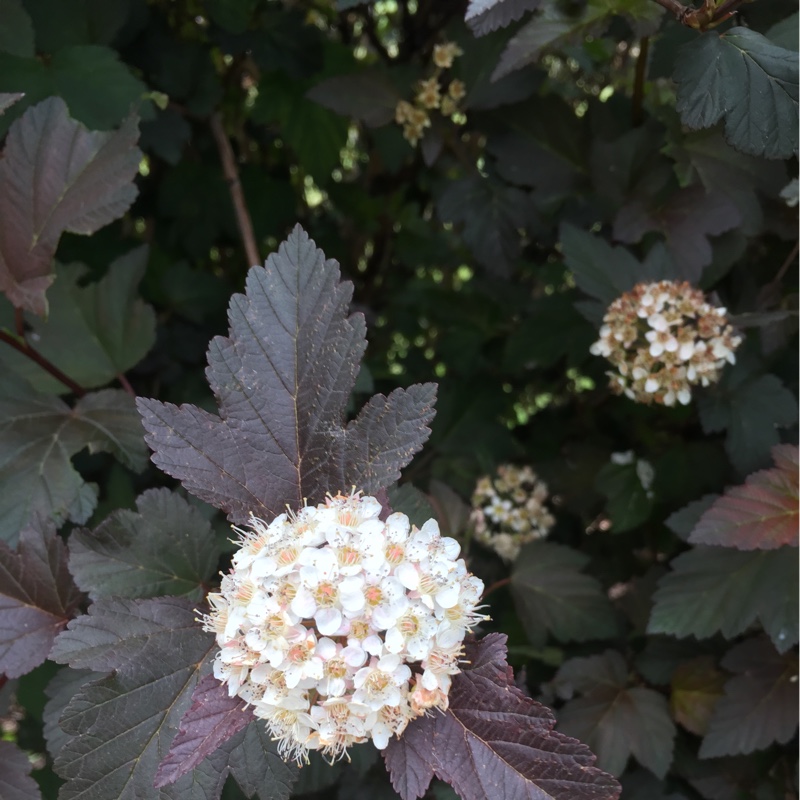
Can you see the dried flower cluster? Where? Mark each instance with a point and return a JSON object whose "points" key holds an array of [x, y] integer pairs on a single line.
{"points": [[663, 338], [509, 510], [338, 627], [414, 116]]}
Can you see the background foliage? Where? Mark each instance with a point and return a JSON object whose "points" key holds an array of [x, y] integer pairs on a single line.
{"points": [[594, 147]]}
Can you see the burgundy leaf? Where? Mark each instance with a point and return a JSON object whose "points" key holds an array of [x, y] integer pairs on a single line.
{"points": [[212, 719], [760, 515], [16, 782], [57, 176], [37, 597], [282, 380], [494, 742], [759, 706]]}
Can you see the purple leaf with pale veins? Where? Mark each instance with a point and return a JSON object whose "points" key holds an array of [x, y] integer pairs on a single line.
{"points": [[282, 379], [57, 176], [213, 718], [37, 597], [494, 741], [485, 16]]}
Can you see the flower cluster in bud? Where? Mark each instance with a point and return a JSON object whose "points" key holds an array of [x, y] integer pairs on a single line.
{"points": [[414, 117], [337, 627], [509, 510], [663, 338]]}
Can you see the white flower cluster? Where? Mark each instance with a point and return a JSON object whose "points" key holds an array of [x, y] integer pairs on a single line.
{"points": [[663, 338], [339, 628], [509, 510]]}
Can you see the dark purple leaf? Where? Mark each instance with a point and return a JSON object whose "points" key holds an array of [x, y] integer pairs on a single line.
{"points": [[123, 724], [761, 515], [282, 381], [56, 176], [213, 718], [687, 219], [614, 720], [164, 547], [759, 706], [485, 16], [37, 597], [15, 779], [62, 688], [494, 742]]}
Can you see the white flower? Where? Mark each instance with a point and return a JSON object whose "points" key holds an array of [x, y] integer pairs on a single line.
{"points": [[331, 621]]}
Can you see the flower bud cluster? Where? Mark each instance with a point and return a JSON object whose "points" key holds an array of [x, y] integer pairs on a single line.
{"points": [[337, 627], [509, 510], [663, 338], [414, 117]]}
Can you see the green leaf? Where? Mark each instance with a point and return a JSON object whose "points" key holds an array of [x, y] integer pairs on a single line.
{"points": [[552, 596], [615, 721], [751, 411], [233, 15], [366, 96], [720, 590], [743, 78], [98, 88], [16, 32], [409, 500], [630, 503], [683, 521], [696, 686], [63, 23], [56, 176], [121, 726], [93, 333], [759, 706], [784, 33], [762, 514], [165, 547], [38, 436]]}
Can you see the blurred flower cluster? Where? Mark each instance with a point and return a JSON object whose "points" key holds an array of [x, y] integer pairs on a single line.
{"points": [[663, 338], [338, 627], [509, 510], [430, 96]]}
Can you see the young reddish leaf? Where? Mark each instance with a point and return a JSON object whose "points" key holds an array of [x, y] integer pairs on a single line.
{"points": [[722, 590], [164, 547], [56, 176], [759, 706], [494, 741], [213, 718], [16, 782], [696, 687], [37, 597], [762, 514], [38, 436], [553, 596], [614, 720], [282, 381]]}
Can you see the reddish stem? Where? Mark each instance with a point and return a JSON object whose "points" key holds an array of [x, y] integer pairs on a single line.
{"points": [[494, 586], [52, 369]]}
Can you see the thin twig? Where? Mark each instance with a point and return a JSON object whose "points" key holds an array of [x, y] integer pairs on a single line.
{"points": [[494, 586], [638, 83], [235, 186], [676, 7], [786, 264], [125, 384], [19, 322], [28, 351]]}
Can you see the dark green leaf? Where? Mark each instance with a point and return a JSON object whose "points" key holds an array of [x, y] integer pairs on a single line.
{"points": [[62, 23], [696, 686], [37, 597], [759, 706], [616, 722], [282, 380], [164, 548], [784, 33], [553, 596], [721, 590], [256, 766], [16, 32], [38, 436], [743, 78], [233, 15], [61, 689], [630, 503], [682, 522], [15, 767], [409, 500], [366, 96], [751, 411], [93, 333], [56, 176]]}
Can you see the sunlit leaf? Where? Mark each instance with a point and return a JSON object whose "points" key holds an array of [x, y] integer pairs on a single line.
{"points": [[494, 741], [282, 380], [762, 514]]}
